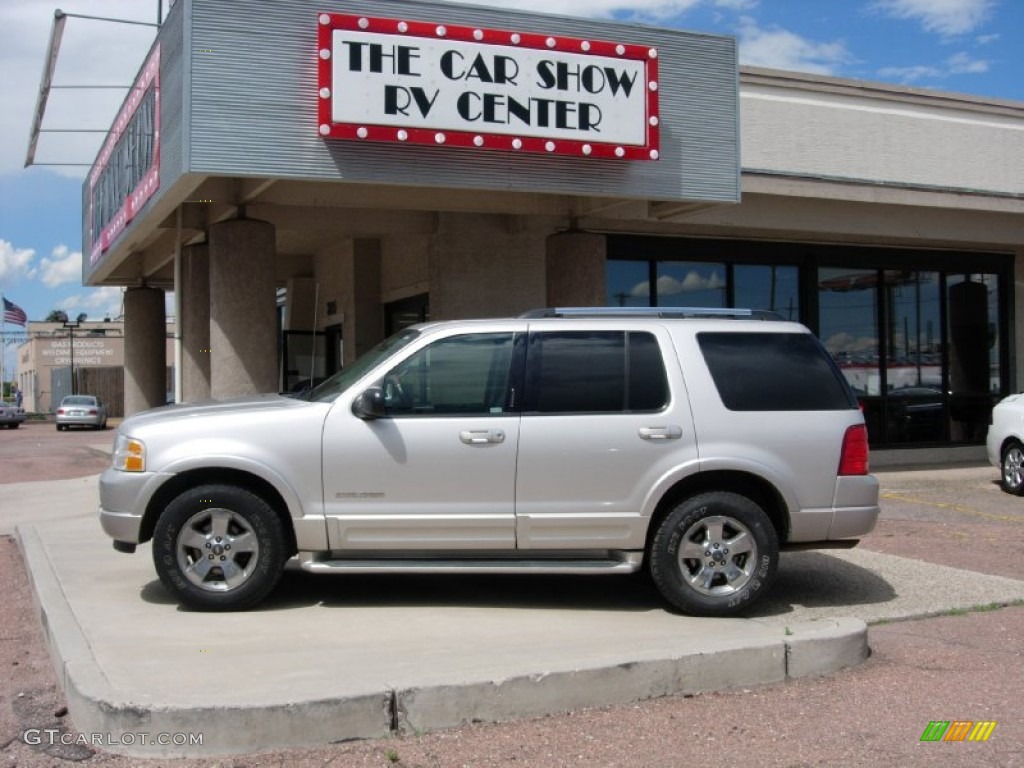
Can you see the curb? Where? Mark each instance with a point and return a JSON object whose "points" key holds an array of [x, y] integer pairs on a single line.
{"points": [[121, 726]]}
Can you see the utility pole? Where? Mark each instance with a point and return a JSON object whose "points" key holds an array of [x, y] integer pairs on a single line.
{"points": [[71, 348]]}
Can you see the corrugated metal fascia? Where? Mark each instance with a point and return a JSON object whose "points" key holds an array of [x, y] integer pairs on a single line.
{"points": [[244, 126]]}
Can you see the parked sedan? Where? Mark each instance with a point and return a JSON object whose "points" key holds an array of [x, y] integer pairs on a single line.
{"points": [[1005, 443], [10, 415], [81, 411]]}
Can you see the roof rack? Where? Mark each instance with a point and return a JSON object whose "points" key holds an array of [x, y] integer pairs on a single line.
{"points": [[666, 312]]}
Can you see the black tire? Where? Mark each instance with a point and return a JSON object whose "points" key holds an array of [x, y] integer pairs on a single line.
{"points": [[714, 581], [1011, 469], [192, 548], [60, 427]]}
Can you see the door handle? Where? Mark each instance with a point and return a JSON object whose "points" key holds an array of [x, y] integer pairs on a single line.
{"points": [[671, 432], [481, 436]]}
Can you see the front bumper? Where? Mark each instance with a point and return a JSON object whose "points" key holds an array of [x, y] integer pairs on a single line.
{"points": [[79, 421], [123, 500]]}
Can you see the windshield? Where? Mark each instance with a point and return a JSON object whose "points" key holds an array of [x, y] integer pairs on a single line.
{"points": [[78, 400], [345, 378]]}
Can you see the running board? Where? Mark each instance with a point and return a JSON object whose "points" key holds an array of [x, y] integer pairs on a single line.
{"points": [[628, 562]]}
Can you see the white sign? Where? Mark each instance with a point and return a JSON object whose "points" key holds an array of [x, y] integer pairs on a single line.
{"points": [[388, 80]]}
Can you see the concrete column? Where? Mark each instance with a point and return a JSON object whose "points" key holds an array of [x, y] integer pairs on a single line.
{"points": [[485, 266], [195, 323], [145, 350], [575, 270], [243, 325]]}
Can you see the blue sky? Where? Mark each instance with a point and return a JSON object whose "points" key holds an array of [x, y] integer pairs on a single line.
{"points": [[968, 46]]}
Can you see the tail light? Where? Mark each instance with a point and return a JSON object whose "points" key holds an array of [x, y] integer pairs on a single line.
{"points": [[60, 411], [93, 411], [854, 458]]}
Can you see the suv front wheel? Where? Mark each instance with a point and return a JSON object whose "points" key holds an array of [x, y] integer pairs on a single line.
{"points": [[714, 554], [219, 547]]}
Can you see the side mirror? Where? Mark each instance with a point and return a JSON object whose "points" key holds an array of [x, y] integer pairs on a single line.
{"points": [[370, 405]]}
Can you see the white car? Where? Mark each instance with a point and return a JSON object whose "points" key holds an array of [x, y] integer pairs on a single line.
{"points": [[81, 411], [1006, 443]]}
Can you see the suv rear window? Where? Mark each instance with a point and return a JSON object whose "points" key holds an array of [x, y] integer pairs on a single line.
{"points": [[774, 372], [594, 372]]}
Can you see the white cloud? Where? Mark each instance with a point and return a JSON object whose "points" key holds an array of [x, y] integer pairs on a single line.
{"points": [[670, 286], [653, 9], [15, 263], [986, 39], [781, 49], [957, 64], [961, 64], [910, 74], [96, 302], [91, 53], [64, 266], [943, 17]]}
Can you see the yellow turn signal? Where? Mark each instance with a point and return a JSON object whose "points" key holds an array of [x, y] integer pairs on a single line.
{"points": [[129, 454]]}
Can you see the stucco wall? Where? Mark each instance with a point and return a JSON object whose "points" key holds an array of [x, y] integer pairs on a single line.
{"points": [[799, 125]]}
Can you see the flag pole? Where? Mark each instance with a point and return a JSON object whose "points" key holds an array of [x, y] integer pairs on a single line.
{"points": [[3, 349]]}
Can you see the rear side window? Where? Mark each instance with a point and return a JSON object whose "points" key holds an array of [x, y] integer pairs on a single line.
{"points": [[594, 372], [774, 372]]}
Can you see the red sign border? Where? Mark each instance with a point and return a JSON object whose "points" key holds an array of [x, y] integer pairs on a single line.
{"points": [[149, 183], [328, 22]]}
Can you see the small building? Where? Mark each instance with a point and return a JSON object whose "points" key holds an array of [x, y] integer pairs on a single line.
{"points": [[378, 163], [47, 361]]}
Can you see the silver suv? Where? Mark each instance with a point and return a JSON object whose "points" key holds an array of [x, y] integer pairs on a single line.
{"points": [[695, 443]]}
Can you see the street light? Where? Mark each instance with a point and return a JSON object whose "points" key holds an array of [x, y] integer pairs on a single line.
{"points": [[71, 347]]}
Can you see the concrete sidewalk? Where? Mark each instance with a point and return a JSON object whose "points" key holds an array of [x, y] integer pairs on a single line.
{"points": [[332, 658]]}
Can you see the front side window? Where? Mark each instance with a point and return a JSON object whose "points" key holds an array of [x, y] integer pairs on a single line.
{"points": [[594, 372], [459, 375]]}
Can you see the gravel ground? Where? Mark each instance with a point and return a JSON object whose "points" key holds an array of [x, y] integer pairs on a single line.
{"points": [[958, 667], [37, 451]]}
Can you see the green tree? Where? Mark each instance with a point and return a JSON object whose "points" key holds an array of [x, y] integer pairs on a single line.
{"points": [[56, 316]]}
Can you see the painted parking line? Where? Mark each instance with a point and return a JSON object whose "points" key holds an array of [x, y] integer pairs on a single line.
{"points": [[951, 507]]}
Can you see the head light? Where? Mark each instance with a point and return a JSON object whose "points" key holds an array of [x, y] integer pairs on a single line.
{"points": [[129, 454]]}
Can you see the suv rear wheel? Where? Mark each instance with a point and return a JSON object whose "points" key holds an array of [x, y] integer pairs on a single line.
{"points": [[219, 547], [714, 554]]}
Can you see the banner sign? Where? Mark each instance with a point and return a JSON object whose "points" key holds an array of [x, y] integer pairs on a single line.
{"points": [[127, 172], [422, 83]]}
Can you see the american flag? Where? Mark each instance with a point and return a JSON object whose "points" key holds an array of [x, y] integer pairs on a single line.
{"points": [[14, 314]]}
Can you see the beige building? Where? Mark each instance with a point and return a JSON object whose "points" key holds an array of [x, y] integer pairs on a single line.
{"points": [[889, 220]]}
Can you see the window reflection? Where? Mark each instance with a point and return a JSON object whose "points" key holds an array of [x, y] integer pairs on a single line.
{"points": [[628, 283], [775, 288], [915, 409], [920, 347], [690, 284], [848, 306]]}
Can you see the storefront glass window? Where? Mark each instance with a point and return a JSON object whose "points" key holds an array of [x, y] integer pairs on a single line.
{"points": [[690, 284], [915, 407], [775, 288], [848, 319], [918, 341], [628, 283]]}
